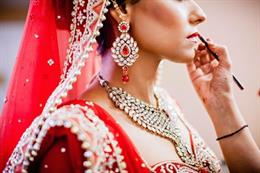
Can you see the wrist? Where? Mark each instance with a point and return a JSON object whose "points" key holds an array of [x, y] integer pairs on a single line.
{"points": [[225, 115], [220, 105]]}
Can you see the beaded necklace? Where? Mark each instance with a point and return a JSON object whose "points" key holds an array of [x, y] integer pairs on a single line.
{"points": [[153, 119]]}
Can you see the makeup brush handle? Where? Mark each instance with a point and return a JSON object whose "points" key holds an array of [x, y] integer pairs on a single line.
{"points": [[237, 82]]}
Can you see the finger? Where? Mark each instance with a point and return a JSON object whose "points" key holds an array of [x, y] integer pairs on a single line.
{"points": [[204, 57], [214, 63], [223, 55], [206, 68], [197, 64], [197, 55], [211, 57], [210, 42], [196, 74], [191, 67], [203, 52], [201, 46]]}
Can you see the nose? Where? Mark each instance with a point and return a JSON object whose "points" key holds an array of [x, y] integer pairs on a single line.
{"points": [[197, 15]]}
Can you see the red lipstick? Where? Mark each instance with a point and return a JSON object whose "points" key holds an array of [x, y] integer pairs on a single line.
{"points": [[195, 34]]}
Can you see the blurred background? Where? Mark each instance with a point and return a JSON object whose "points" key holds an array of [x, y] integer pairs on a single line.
{"points": [[235, 23]]}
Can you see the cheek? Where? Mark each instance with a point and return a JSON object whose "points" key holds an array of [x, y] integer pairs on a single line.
{"points": [[159, 27], [160, 17], [163, 14]]}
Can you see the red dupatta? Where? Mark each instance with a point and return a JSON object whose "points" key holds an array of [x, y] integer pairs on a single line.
{"points": [[38, 67]]}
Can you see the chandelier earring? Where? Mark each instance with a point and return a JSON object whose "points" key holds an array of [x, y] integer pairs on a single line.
{"points": [[124, 49]]}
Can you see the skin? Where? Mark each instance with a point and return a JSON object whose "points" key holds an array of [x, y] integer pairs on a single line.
{"points": [[212, 80]]}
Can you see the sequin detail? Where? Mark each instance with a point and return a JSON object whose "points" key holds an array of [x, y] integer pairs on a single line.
{"points": [[82, 122]]}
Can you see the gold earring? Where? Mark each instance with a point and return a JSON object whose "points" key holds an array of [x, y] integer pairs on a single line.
{"points": [[124, 49]]}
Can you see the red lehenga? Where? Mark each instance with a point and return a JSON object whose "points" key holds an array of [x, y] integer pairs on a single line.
{"points": [[74, 136]]}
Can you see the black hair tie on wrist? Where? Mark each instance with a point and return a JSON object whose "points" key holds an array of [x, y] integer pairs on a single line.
{"points": [[231, 134]]}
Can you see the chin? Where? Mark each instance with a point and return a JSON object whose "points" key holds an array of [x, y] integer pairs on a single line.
{"points": [[188, 56], [185, 57]]}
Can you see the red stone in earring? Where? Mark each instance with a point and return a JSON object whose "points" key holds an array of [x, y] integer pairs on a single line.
{"points": [[124, 50], [125, 76]]}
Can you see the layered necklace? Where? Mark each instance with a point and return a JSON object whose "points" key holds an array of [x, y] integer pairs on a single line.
{"points": [[153, 119]]}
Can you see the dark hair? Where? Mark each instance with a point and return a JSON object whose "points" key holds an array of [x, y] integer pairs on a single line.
{"points": [[107, 36]]}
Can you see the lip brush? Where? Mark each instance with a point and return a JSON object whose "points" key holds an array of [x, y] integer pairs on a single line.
{"points": [[217, 58]]}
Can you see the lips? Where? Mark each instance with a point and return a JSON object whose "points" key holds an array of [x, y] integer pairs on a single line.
{"points": [[195, 34]]}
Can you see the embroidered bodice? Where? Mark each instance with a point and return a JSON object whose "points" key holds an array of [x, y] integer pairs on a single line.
{"points": [[81, 136]]}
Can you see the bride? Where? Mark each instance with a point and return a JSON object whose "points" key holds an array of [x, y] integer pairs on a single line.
{"points": [[107, 113]]}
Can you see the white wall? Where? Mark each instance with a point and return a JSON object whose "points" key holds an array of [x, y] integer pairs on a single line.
{"points": [[10, 36]]}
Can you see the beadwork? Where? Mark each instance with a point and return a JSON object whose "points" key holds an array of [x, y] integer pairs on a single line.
{"points": [[159, 122]]}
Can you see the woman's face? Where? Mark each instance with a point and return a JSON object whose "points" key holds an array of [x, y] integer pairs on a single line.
{"points": [[162, 26]]}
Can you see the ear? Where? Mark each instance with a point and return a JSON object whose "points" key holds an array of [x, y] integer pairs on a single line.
{"points": [[119, 15]]}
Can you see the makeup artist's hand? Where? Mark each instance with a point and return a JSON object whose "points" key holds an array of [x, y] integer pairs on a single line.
{"points": [[212, 81], [211, 78]]}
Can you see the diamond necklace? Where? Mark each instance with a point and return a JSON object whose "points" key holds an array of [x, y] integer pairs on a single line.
{"points": [[154, 120]]}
